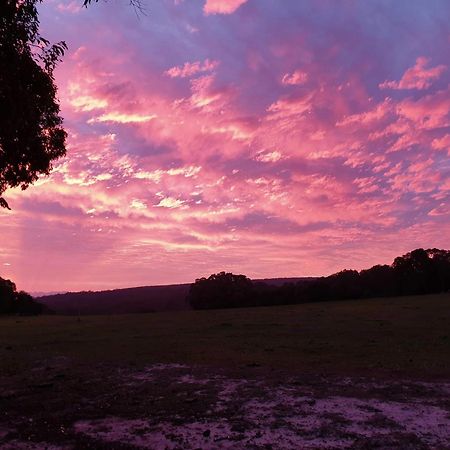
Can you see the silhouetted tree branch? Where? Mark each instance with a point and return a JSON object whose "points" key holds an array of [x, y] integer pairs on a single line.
{"points": [[138, 5], [31, 131]]}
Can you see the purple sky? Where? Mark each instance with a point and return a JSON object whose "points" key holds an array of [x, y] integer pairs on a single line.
{"points": [[270, 138]]}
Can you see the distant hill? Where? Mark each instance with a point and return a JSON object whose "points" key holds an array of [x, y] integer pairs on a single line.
{"points": [[119, 301], [37, 294], [131, 300]]}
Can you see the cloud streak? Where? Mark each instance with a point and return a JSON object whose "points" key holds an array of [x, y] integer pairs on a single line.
{"points": [[417, 77], [222, 6]]}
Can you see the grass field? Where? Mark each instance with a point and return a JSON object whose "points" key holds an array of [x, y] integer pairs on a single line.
{"points": [[353, 375], [405, 335]]}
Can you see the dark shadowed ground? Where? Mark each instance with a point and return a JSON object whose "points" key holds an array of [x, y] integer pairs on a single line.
{"points": [[359, 374]]}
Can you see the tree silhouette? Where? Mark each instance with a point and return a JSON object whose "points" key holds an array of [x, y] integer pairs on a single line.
{"points": [[222, 290], [31, 132], [415, 273], [13, 302], [7, 296]]}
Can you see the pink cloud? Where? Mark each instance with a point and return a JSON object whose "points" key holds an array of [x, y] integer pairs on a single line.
{"points": [[442, 210], [442, 143], [190, 69], [289, 106], [120, 117], [375, 114], [204, 94], [88, 103], [222, 6], [295, 78], [417, 77], [269, 156], [72, 7], [235, 169], [429, 112]]}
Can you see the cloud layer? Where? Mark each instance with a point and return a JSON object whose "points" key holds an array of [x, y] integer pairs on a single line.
{"points": [[247, 136]]}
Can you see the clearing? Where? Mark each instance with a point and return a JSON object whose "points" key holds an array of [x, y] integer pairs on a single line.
{"points": [[355, 374]]}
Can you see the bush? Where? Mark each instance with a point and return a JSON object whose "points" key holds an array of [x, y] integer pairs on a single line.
{"points": [[13, 302], [222, 290]]}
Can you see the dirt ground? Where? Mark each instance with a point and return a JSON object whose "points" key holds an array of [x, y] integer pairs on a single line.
{"points": [[356, 374], [174, 406]]}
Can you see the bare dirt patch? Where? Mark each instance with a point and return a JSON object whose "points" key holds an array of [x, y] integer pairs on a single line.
{"points": [[174, 406]]}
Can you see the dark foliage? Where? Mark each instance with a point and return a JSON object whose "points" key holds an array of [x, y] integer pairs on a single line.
{"points": [[222, 290], [31, 132], [138, 5], [119, 301], [14, 302], [418, 272]]}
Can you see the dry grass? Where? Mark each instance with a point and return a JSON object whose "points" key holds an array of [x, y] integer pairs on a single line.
{"points": [[408, 335]]}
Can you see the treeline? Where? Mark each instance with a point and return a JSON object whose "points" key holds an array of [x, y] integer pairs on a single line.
{"points": [[119, 301], [418, 272], [17, 302]]}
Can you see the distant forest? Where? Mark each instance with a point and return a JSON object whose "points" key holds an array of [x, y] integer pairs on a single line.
{"points": [[418, 272]]}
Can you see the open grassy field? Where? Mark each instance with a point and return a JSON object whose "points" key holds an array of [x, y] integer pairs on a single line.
{"points": [[405, 335], [354, 375]]}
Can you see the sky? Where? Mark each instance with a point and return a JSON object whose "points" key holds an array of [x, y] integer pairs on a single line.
{"points": [[264, 137]]}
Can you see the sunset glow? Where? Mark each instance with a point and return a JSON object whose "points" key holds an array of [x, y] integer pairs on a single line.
{"points": [[264, 137]]}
